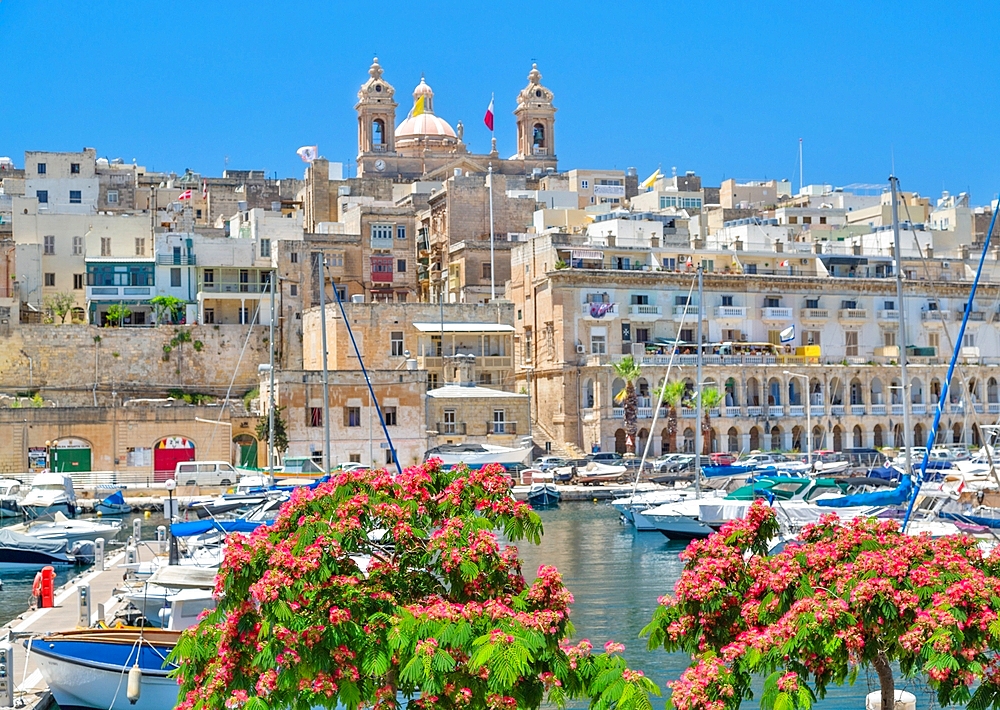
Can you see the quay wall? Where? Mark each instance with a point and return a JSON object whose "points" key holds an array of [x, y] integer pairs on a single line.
{"points": [[64, 362]]}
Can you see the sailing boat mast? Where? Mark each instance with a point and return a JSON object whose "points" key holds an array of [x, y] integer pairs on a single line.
{"points": [[901, 330], [698, 385]]}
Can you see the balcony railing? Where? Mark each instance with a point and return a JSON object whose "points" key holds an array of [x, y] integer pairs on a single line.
{"points": [[878, 409], [837, 410], [815, 313], [973, 316], [686, 312], [451, 427], [641, 309], [776, 411], [771, 313], [380, 148], [853, 314], [858, 410], [117, 292], [897, 410], [918, 408], [816, 410], [731, 312], [233, 287], [796, 410], [935, 316], [501, 428], [888, 314], [993, 407], [175, 259], [755, 411], [732, 411], [382, 243]]}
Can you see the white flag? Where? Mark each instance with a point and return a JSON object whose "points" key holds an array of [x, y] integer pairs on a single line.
{"points": [[788, 334], [308, 153]]}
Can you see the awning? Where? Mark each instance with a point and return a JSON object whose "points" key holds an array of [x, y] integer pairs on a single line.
{"points": [[464, 327], [586, 254]]}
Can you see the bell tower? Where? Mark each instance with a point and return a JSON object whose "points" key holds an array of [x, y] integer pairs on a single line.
{"points": [[536, 117], [376, 115]]}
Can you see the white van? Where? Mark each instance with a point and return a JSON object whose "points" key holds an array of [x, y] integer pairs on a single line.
{"points": [[205, 473]]}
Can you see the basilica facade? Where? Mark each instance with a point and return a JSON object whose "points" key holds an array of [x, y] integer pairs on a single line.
{"points": [[426, 147]]}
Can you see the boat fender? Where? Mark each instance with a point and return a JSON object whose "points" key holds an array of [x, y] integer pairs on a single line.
{"points": [[134, 684]]}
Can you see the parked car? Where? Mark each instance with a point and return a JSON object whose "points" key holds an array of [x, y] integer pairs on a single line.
{"points": [[662, 464], [545, 463], [681, 463], [608, 457], [722, 459]]}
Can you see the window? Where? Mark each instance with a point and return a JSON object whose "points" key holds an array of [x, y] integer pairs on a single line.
{"points": [[265, 248], [293, 290], [208, 278], [487, 270], [315, 416], [499, 421], [932, 305], [771, 302], [933, 340], [812, 303], [810, 337], [888, 338], [849, 305], [396, 341], [585, 184], [50, 245], [687, 335], [626, 332], [294, 257], [77, 246], [432, 380], [807, 220], [642, 335], [889, 305], [140, 246], [527, 345], [353, 458], [50, 279], [197, 214], [639, 299], [727, 300], [74, 168], [175, 278], [77, 282], [485, 378], [381, 231], [401, 265], [389, 459], [401, 297], [244, 280], [851, 343], [449, 421], [42, 167], [969, 340], [352, 416], [105, 246], [708, 265], [822, 220], [598, 344], [244, 316], [112, 197], [75, 197], [400, 231], [209, 315], [389, 414], [793, 220], [43, 196], [774, 337], [681, 301]]}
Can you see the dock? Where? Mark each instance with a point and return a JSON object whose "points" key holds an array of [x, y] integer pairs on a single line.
{"points": [[30, 687]]}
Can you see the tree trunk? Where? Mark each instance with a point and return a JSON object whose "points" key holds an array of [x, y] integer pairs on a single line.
{"points": [[886, 681], [631, 418], [706, 435]]}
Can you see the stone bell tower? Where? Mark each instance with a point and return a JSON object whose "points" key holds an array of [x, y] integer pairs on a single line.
{"points": [[536, 118], [376, 115]]}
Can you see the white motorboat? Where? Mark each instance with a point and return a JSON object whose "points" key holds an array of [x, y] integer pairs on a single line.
{"points": [[50, 493], [63, 528], [543, 490], [679, 521], [593, 472], [19, 551], [476, 455], [11, 495], [174, 596]]}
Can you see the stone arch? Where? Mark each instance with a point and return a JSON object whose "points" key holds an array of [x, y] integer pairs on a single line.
{"points": [[954, 391], [857, 392], [916, 391], [838, 438], [919, 438], [245, 451], [975, 391], [378, 132], [732, 393], [877, 439], [875, 391], [753, 392], [713, 439], [617, 385], [992, 393], [818, 436], [588, 393], [956, 433], [689, 440], [754, 438], [897, 436], [664, 441], [798, 443], [641, 440], [776, 438], [794, 391], [836, 391], [774, 392], [620, 441], [895, 391], [935, 390], [859, 436], [815, 392], [642, 389], [733, 439]]}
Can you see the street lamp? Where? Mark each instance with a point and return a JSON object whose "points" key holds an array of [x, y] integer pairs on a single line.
{"points": [[170, 484], [809, 426]]}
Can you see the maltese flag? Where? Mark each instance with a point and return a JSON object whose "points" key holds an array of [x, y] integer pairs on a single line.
{"points": [[488, 118], [788, 334], [186, 195], [308, 153]]}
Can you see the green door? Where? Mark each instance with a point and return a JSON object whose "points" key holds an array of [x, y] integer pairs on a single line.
{"points": [[71, 460], [248, 451]]}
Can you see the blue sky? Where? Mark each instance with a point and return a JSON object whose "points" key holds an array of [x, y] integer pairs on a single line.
{"points": [[725, 89]]}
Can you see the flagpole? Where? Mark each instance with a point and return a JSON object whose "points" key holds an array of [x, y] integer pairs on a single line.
{"points": [[493, 281]]}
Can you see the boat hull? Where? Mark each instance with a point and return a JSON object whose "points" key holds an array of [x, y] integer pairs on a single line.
{"points": [[682, 527], [481, 459], [14, 559], [543, 494]]}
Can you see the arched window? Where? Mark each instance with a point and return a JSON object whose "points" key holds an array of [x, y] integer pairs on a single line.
{"points": [[689, 441], [797, 442], [859, 436], [538, 135], [919, 438], [838, 438], [877, 436], [588, 393], [956, 433], [378, 132], [732, 399], [776, 438], [817, 438], [733, 439]]}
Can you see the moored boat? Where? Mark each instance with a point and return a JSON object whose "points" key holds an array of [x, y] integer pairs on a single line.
{"points": [[476, 455], [25, 552], [50, 493], [114, 504]]}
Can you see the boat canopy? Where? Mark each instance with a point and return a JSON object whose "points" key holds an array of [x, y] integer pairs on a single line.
{"points": [[897, 495], [184, 577], [116, 498], [200, 527], [30, 543]]}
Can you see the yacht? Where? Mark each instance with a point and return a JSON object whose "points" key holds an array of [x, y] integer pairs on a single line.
{"points": [[50, 493]]}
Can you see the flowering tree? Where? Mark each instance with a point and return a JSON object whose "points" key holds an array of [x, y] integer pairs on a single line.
{"points": [[375, 589], [850, 596]]}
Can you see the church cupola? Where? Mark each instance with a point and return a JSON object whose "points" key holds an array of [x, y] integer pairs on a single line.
{"points": [[376, 113], [536, 117]]}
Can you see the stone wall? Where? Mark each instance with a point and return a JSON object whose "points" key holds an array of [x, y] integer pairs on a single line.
{"points": [[62, 362]]}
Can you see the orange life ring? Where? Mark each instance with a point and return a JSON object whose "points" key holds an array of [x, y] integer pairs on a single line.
{"points": [[36, 586]]}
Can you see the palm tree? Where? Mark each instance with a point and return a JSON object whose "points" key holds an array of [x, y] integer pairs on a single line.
{"points": [[673, 395], [628, 369], [710, 399]]}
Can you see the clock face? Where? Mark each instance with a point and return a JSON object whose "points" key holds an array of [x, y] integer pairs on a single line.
{"points": [[380, 165]]}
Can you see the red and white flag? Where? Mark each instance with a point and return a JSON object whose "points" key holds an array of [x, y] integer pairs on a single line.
{"points": [[308, 153], [186, 195], [783, 263], [488, 118], [204, 189]]}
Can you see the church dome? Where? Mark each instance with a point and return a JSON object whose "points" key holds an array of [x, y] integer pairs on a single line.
{"points": [[426, 123]]}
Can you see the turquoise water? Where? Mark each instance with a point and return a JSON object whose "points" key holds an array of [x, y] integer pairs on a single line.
{"points": [[616, 574]]}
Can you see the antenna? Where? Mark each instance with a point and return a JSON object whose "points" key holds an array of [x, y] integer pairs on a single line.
{"points": [[800, 165]]}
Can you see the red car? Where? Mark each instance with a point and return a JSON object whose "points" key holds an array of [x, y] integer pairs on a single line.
{"points": [[722, 459]]}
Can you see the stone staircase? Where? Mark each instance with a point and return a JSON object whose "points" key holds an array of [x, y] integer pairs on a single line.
{"points": [[564, 449]]}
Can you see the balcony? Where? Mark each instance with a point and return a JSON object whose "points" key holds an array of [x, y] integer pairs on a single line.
{"points": [[488, 362], [814, 314], [796, 410], [853, 314], [539, 150], [878, 409], [380, 148], [755, 411], [776, 411], [643, 309], [816, 410], [688, 312], [897, 410], [501, 428], [232, 287], [918, 409], [837, 410], [731, 411], [858, 410], [888, 314], [776, 314], [979, 316], [382, 243], [938, 317], [445, 428], [993, 407], [723, 312], [383, 277], [600, 310], [116, 293], [175, 259]]}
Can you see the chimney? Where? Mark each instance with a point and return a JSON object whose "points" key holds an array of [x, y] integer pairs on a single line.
{"points": [[965, 252], [466, 370], [929, 251]]}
